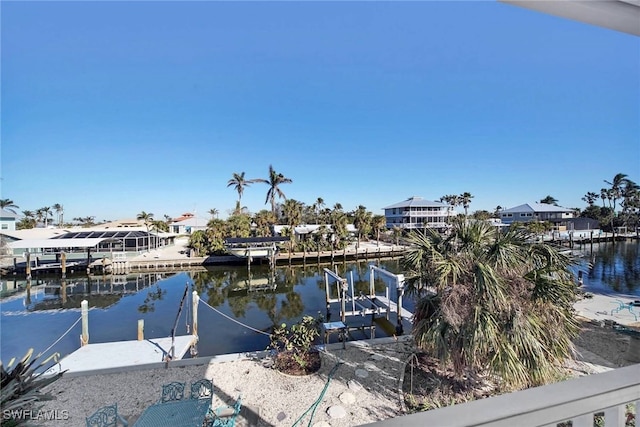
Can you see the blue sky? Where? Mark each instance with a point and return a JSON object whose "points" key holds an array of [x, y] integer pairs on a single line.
{"points": [[112, 108]]}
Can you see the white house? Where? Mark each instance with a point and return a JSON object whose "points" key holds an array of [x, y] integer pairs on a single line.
{"points": [[187, 224], [416, 212]]}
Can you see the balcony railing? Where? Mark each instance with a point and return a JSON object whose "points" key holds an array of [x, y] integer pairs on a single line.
{"points": [[576, 400]]}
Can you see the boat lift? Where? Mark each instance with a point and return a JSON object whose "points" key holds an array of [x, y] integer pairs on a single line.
{"points": [[352, 305]]}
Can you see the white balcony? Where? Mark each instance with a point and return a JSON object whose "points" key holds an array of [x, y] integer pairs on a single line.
{"points": [[575, 400]]}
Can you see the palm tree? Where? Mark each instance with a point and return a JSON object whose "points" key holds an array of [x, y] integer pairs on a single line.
{"points": [[620, 185], [378, 223], [317, 207], [497, 211], [60, 213], [274, 181], [148, 220], [45, 213], [292, 210], [465, 200], [550, 200], [500, 305], [590, 198], [452, 200], [362, 222], [8, 205], [239, 182], [214, 212], [264, 220]]}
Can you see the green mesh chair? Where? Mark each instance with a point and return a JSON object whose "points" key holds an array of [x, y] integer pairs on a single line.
{"points": [[107, 416], [172, 391]]}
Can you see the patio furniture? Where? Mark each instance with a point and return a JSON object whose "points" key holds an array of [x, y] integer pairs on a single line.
{"points": [[172, 391], [175, 413], [225, 416], [107, 416], [202, 389]]}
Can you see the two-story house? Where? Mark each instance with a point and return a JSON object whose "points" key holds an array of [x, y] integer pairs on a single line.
{"points": [[416, 212]]}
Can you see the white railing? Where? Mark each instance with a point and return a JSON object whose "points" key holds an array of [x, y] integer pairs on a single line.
{"points": [[575, 400]]}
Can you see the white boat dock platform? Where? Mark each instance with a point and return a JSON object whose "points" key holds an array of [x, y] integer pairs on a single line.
{"points": [[406, 314], [122, 354]]}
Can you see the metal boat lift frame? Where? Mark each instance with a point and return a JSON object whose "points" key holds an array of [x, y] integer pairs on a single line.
{"points": [[381, 305]]}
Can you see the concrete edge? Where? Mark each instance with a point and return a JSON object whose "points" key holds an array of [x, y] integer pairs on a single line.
{"points": [[222, 358]]}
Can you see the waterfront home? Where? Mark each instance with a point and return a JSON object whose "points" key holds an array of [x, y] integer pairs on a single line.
{"points": [[416, 212], [557, 215], [187, 223]]}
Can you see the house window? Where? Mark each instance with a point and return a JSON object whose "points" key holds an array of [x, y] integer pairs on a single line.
{"points": [[5, 226]]}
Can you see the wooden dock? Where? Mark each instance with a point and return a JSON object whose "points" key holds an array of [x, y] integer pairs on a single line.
{"points": [[103, 357]]}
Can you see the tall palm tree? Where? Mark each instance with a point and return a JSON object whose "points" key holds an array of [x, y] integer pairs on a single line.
{"points": [[9, 205], [148, 220], [500, 305], [292, 210], [362, 222], [317, 207], [378, 223], [274, 181], [619, 186], [465, 201], [239, 183], [59, 209], [214, 212], [45, 214]]}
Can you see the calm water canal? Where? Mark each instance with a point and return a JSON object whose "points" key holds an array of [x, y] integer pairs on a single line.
{"points": [[258, 299]]}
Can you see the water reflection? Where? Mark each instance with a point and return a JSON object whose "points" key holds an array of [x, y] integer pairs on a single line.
{"points": [[615, 267], [258, 298]]}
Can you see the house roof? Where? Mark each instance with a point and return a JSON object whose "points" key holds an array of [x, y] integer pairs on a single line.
{"points": [[536, 207], [34, 233], [191, 221], [7, 214], [54, 243], [416, 202]]}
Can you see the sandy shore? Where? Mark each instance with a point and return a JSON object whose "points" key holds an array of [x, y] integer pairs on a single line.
{"points": [[365, 387]]}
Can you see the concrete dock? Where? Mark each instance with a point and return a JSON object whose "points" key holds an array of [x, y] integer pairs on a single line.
{"points": [[122, 354]]}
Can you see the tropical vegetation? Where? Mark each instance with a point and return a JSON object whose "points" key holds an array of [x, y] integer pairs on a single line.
{"points": [[492, 303], [21, 387]]}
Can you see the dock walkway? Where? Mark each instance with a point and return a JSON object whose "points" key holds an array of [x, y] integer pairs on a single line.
{"points": [[122, 354]]}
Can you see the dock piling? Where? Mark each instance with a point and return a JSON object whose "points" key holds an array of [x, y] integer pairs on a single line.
{"points": [[84, 307], [140, 329], [194, 303]]}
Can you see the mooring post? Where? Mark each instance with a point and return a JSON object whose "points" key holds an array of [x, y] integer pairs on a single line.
{"points": [[28, 267], [343, 301], [63, 264], [84, 309], [195, 299], [140, 329], [400, 289]]}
